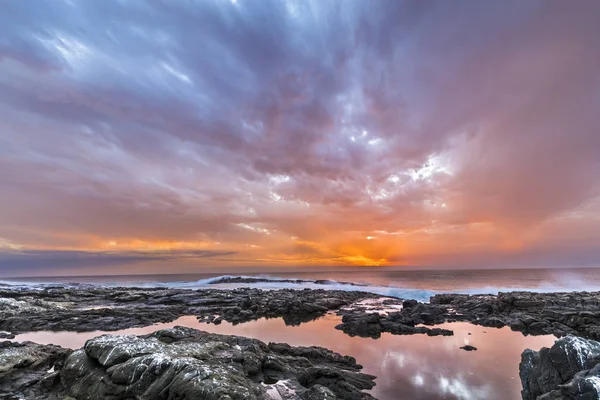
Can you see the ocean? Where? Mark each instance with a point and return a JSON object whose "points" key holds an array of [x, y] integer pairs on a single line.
{"points": [[409, 284], [407, 367]]}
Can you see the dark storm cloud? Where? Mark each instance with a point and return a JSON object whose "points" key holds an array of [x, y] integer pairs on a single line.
{"points": [[251, 121]]}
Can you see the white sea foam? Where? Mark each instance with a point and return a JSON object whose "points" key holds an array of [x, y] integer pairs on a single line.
{"points": [[273, 283]]}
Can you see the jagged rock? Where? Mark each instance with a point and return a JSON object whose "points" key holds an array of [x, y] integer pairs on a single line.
{"points": [[87, 308], [179, 363], [318, 392], [409, 303], [187, 363], [569, 370], [30, 371], [558, 314], [373, 324], [251, 279]]}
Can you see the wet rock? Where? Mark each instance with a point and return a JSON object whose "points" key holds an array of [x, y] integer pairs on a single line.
{"points": [[83, 308], [570, 369], [468, 347], [187, 363], [374, 324], [556, 314], [179, 363], [87, 308], [30, 371], [318, 392], [409, 303], [251, 279], [345, 385]]}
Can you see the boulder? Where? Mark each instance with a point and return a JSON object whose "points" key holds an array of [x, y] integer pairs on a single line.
{"points": [[187, 363], [568, 370], [30, 371]]}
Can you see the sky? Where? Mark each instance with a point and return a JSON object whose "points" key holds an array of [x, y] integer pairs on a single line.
{"points": [[167, 136]]}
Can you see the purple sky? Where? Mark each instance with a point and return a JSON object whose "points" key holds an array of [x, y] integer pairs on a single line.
{"points": [[175, 136]]}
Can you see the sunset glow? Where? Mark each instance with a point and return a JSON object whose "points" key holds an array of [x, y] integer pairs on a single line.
{"points": [[216, 135]]}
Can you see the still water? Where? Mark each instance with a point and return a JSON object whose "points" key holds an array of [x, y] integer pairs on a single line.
{"points": [[407, 367]]}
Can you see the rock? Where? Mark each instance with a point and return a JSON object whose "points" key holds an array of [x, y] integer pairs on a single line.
{"points": [[179, 363], [30, 371], [439, 332], [558, 314], [88, 308], [251, 279], [187, 363], [409, 303], [318, 392], [6, 335], [357, 323], [468, 347], [570, 369]]}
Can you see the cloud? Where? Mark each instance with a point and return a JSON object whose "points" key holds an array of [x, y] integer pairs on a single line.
{"points": [[31, 261], [461, 128]]}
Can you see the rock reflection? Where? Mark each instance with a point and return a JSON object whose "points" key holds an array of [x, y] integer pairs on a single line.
{"points": [[407, 367]]}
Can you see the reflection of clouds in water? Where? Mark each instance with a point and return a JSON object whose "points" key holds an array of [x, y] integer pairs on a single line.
{"points": [[414, 367], [459, 388], [426, 374], [418, 380], [394, 358]]}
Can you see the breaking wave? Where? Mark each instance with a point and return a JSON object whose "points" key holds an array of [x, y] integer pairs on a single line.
{"points": [[274, 283]]}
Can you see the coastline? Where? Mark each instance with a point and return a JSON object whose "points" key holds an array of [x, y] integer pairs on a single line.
{"points": [[85, 308]]}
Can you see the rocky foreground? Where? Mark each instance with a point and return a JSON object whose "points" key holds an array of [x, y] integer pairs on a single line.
{"points": [[179, 363], [569, 370]]}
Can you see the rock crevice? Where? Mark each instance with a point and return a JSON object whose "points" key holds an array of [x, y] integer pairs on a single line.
{"points": [[180, 363]]}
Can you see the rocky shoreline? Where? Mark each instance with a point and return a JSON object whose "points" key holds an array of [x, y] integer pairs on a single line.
{"points": [[179, 363], [83, 308], [570, 369], [557, 314]]}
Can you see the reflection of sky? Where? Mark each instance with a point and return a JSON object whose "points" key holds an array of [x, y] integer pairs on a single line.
{"points": [[407, 367]]}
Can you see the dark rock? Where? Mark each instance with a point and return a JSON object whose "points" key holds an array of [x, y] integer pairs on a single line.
{"points": [[82, 308], [30, 371], [187, 363], [179, 363], [251, 279], [87, 308], [409, 303], [558, 314], [318, 392], [439, 332], [468, 347], [373, 324], [6, 335], [570, 369]]}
